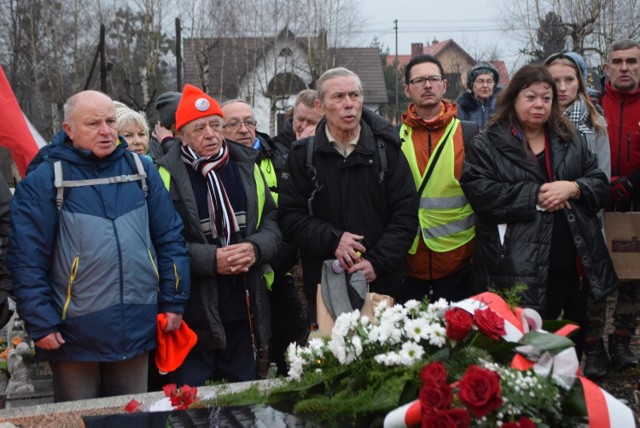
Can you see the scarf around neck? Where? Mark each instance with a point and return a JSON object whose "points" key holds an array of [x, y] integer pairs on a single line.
{"points": [[223, 218], [578, 114]]}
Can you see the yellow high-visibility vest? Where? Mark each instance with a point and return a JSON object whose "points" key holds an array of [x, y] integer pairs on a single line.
{"points": [[446, 219]]}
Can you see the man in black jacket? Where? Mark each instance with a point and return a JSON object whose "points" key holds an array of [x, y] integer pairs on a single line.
{"points": [[303, 120], [354, 199]]}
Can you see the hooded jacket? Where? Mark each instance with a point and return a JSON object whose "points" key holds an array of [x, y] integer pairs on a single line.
{"points": [[351, 198], [502, 184], [472, 109], [202, 313], [100, 269]]}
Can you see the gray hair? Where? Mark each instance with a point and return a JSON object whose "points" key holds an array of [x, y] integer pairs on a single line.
{"points": [[307, 97], [135, 118], [621, 45], [332, 74], [236, 100]]}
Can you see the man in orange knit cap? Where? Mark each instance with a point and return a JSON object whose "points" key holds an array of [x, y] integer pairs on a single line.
{"points": [[231, 233]]}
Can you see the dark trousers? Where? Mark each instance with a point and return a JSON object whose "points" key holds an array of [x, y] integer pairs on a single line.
{"points": [[80, 380], [234, 363], [568, 295], [453, 288], [288, 320]]}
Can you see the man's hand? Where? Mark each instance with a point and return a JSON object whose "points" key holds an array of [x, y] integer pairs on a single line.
{"points": [[621, 189], [349, 250], [51, 341], [366, 268], [235, 259], [306, 132], [160, 132], [173, 322]]}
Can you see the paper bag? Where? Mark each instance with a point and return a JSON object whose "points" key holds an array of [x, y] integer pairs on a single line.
{"points": [[325, 320], [622, 233]]}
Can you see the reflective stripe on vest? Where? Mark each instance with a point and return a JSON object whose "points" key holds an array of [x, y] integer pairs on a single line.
{"points": [[267, 168], [446, 219], [257, 177]]}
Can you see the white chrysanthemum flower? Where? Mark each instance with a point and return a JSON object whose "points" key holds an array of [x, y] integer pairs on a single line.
{"points": [[417, 329], [437, 335], [389, 359], [411, 352]]}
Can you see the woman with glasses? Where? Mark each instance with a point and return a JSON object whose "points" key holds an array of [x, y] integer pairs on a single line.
{"points": [[536, 190], [478, 102]]}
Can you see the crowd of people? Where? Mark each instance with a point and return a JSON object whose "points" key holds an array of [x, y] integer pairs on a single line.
{"points": [[202, 218]]}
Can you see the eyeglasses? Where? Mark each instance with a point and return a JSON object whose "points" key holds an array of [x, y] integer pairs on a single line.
{"points": [[234, 124], [487, 82], [420, 81]]}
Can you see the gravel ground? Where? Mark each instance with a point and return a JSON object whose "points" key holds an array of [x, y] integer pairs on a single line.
{"points": [[623, 385]]}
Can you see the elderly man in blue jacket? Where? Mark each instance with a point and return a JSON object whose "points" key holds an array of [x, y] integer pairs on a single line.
{"points": [[96, 253]]}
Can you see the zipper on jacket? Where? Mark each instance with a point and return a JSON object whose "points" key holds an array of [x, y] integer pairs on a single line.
{"points": [[429, 140], [72, 277], [155, 268], [628, 147], [620, 134]]}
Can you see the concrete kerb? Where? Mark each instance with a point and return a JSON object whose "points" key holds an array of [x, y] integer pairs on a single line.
{"points": [[121, 401]]}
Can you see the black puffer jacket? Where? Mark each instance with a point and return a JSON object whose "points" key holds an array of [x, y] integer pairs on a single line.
{"points": [[351, 199], [502, 184]]}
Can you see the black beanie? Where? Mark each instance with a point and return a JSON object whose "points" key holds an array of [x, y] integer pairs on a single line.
{"points": [[167, 104], [481, 68]]}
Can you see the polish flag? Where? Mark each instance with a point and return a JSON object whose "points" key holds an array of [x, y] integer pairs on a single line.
{"points": [[17, 133]]}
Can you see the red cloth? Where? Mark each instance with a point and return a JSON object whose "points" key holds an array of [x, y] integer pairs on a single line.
{"points": [[15, 134], [195, 104], [174, 346]]}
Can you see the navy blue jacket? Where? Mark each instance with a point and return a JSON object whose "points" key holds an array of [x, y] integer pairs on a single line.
{"points": [[100, 269]]}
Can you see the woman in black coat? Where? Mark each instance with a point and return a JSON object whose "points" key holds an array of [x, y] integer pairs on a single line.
{"points": [[536, 189]]}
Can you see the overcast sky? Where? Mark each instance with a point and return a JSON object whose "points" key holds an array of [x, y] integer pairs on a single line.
{"points": [[473, 24]]}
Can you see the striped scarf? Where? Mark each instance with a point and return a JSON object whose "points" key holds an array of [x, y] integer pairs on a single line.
{"points": [[222, 216]]}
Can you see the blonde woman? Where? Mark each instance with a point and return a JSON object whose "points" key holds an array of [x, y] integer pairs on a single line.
{"points": [[133, 127]]}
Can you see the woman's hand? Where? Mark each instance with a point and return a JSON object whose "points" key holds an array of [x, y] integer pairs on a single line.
{"points": [[554, 196]]}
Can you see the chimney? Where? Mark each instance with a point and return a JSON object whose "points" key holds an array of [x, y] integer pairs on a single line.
{"points": [[435, 41], [417, 49]]}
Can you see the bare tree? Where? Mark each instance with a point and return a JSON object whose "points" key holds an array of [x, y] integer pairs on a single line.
{"points": [[589, 25]]}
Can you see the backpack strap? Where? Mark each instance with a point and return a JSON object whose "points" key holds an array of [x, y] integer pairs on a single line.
{"points": [[142, 174], [382, 152], [469, 130], [60, 183], [313, 172]]}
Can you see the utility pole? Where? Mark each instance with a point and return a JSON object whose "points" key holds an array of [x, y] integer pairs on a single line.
{"points": [[178, 55], [395, 73]]}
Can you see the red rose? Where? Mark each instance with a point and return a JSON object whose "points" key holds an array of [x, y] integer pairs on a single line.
{"points": [[434, 396], [459, 323], [434, 371], [489, 323], [526, 423], [451, 418], [480, 391], [522, 423]]}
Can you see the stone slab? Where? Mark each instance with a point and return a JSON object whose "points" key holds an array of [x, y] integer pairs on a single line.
{"points": [[86, 407]]}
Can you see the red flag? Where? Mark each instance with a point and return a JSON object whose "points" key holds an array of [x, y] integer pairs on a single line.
{"points": [[14, 131]]}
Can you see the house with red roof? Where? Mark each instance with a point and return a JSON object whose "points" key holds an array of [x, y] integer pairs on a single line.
{"points": [[455, 60]]}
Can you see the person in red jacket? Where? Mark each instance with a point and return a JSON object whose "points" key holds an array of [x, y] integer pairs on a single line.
{"points": [[621, 104]]}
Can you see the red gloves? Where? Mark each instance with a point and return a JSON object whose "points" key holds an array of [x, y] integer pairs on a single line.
{"points": [[621, 189]]}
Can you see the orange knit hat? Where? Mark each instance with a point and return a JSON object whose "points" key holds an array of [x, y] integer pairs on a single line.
{"points": [[174, 346], [195, 104]]}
